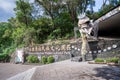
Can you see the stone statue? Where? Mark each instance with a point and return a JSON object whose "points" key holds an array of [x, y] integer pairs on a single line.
{"points": [[19, 56], [85, 28]]}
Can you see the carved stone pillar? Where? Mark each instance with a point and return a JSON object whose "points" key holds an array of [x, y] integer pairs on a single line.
{"points": [[83, 28]]}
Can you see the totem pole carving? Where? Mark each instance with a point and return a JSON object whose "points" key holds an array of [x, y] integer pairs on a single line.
{"points": [[86, 30]]}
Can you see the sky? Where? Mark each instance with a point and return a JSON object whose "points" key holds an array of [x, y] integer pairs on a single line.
{"points": [[6, 9], [7, 6]]}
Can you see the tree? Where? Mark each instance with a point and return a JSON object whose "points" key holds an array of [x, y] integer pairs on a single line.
{"points": [[23, 31], [58, 10], [43, 27], [23, 12], [54, 8], [104, 4], [113, 2], [92, 4], [18, 35], [5, 36]]}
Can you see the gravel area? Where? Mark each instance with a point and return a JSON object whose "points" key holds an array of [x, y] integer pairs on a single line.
{"points": [[66, 70]]}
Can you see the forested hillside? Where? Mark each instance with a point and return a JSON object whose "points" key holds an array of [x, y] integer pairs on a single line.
{"points": [[46, 20]]}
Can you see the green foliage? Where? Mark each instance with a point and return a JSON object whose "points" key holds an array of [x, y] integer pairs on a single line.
{"points": [[78, 34], [63, 27], [4, 58], [63, 16], [99, 60], [18, 35], [29, 36], [44, 59], [108, 60], [104, 9], [32, 59], [5, 36], [50, 59], [55, 34], [23, 12], [43, 27], [6, 42], [115, 60], [119, 61], [9, 50]]}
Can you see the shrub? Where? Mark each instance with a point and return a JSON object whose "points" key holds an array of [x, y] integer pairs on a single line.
{"points": [[108, 60], [1, 57], [115, 60], [99, 60], [9, 50], [4, 58], [44, 59], [119, 61], [32, 59], [50, 59]]}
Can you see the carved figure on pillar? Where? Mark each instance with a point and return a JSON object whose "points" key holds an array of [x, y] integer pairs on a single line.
{"points": [[85, 28]]}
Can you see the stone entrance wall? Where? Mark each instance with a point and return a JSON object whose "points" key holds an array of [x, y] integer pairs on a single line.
{"points": [[58, 51], [104, 49], [98, 49]]}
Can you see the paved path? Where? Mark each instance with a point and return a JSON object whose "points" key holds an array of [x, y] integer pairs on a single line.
{"points": [[8, 70], [67, 70], [24, 75]]}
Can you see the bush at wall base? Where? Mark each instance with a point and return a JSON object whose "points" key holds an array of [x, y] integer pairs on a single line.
{"points": [[44, 59], [32, 59], [99, 60], [4, 58], [50, 59], [114, 60]]}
